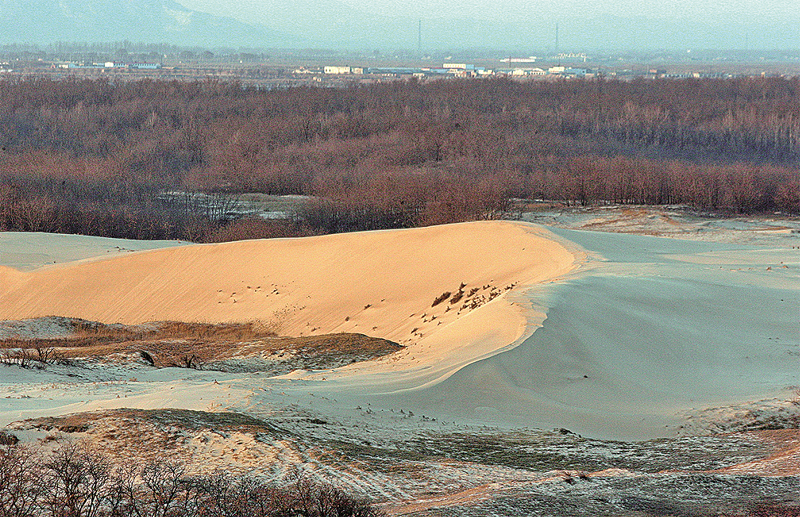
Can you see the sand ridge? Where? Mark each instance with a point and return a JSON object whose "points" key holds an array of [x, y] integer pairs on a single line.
{"points": [[378, 283]]}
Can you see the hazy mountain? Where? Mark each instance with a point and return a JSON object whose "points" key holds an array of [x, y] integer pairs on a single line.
{"points": [[517, 24], [42, 21], [509, 26]]}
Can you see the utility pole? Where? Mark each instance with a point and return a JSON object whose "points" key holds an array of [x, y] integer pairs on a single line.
{"points": [[559, 59], [419, 38]]}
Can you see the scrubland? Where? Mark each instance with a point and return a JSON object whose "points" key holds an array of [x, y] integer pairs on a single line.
{"points": [[129, 159]]}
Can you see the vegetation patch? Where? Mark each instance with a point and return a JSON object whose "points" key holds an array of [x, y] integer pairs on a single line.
{"points": [[248, 346], [156, 159], [182, 418], [76, 480], [439, 299]]}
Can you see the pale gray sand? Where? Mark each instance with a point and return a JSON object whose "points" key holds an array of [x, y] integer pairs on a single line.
{"points": [[28, 250]]}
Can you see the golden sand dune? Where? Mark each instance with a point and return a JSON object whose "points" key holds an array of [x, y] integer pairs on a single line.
{"points": [[377, 283], [651, 337]]}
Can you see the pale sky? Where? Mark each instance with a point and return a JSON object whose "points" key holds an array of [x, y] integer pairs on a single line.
{"points": [[259, 10], [525, 23], [649, 8]]}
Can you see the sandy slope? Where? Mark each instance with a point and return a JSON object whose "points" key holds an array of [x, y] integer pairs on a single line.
{"points": [[379, 283], [653, 332], [635, 337], [30, 250], [652, 337]]}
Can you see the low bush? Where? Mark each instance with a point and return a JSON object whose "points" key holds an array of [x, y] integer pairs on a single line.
{"points": [[77, 481], [256, 228]]}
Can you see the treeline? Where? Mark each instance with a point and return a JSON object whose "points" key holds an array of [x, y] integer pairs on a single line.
{"points": [[91, 156], [736, 187], [76, 481]]}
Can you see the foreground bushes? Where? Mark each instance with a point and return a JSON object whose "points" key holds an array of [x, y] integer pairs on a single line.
{"points": [[76, 481]]}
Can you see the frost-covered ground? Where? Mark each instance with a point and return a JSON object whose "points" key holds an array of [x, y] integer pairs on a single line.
{"points": [[679, 222]]}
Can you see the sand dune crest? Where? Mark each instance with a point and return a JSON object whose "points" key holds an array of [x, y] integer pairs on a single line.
{"points": [[378, 283]]}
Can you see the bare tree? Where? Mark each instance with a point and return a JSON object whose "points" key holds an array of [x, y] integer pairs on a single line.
{"points": [[76, 481], [19, 487]]}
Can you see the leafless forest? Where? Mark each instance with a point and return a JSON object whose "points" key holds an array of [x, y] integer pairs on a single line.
{"points": [[94, 157], [76, 481]]}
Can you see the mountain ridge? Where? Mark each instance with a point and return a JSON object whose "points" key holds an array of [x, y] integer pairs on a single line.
{"points": [[46, 21]]}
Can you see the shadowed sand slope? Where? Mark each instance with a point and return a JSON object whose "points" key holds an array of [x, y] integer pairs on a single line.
{"points": [[656, 337], [30, 250], [379, 283]]}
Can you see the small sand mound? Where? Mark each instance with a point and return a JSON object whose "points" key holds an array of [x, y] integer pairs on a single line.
{"points": [[52, 327]]}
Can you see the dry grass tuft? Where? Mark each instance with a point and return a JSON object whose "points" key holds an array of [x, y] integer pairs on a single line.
{"points": [[174, 330], [442, 297], [457, 297]]}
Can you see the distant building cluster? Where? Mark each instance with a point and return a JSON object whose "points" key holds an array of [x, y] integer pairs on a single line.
{"points": [[515, 67], [109, 65], [455, 70], [264, 71]]}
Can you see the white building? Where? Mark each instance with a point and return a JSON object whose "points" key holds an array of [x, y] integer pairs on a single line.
{"points": [[337, 70]]}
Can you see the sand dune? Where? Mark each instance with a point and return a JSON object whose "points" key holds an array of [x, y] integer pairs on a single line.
{"points": [[641, 344], [612, 336], [379, 283]]}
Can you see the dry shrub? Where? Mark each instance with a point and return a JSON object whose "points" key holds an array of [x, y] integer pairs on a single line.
{"points": [[787, 197], [774, 509], [256, 228], [8, 438], [20, 488], [442, 297], [457, 297], [77, 482]]}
